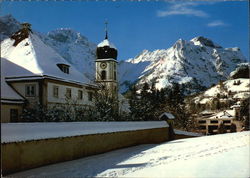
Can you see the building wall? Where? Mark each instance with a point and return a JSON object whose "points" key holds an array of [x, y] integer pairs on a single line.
{"points": [[208, 123], [19, 156], [44, 92], [20, 88], [5, 111], [51, 99]]}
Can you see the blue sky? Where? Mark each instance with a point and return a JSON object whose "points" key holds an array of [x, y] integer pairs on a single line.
{"points": [[135, 26]]}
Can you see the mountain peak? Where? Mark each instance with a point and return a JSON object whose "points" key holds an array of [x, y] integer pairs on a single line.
{"points": [[9, 25], [205, 41], [67, 35], [179, 44]]}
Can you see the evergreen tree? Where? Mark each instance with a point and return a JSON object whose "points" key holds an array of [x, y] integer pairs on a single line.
{"points": [[135, 104], [244, 113]]}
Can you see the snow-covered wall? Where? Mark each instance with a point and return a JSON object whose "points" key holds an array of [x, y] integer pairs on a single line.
{"points": [[29, 145], [18, 132]]}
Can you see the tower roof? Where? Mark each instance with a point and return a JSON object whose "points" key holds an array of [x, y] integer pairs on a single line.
{"points": [[106, 49], [106, 42]]}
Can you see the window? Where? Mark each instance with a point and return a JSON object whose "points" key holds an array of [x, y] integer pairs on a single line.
{"points": [[55, 91], [103, 75], [114, 75], [13, 115], [68, 93], [80, 94], [202, 127], [114, 66], [30, 90], [212, 129], [202, 121], [214, 121], [226, 122], [64, 68], [90, 96]]}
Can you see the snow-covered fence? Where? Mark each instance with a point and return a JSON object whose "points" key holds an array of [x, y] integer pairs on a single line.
{"points": [[29, 145]]}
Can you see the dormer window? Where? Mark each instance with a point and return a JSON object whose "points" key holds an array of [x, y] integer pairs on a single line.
{"points": [[64, 68]]}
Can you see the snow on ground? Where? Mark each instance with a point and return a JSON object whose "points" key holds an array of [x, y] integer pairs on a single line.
{"points": [[214, 91], [229, 84], [181, 132], [240, 90], [243, 86], [225, 155], [15, 132]]}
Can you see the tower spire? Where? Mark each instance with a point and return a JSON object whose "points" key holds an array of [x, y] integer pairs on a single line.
{"points": [[106, 29]]}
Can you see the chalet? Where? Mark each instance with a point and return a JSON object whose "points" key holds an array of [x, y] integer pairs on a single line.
{"points": [[211, 123]]}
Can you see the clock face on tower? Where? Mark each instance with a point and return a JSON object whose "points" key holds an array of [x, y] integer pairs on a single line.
{"points": [[103, 65]]}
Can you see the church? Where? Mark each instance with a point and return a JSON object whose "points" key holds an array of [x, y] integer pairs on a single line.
{"points": [[33, 73]]}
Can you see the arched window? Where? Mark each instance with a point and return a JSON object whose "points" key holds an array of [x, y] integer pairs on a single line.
{"points": [[103, 75]]}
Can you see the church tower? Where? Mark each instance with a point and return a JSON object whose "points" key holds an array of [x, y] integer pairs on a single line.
{"points": [[106, 66]]}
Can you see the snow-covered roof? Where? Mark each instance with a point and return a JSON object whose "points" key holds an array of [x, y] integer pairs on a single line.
{"points": [[227, 114], [168, 115], [207, 112], [34, 58], [235, 106], [106, 42], [8, 95]]}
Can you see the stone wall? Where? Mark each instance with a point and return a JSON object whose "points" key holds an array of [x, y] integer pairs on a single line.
{"points": [[18, 156]]}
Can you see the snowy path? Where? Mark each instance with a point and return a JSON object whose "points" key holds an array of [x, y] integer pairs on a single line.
{"points": [[224, 155]]}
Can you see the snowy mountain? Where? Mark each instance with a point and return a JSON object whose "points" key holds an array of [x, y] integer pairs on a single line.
{"points": [[198, 63], [8, 26], [71, 45]]}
